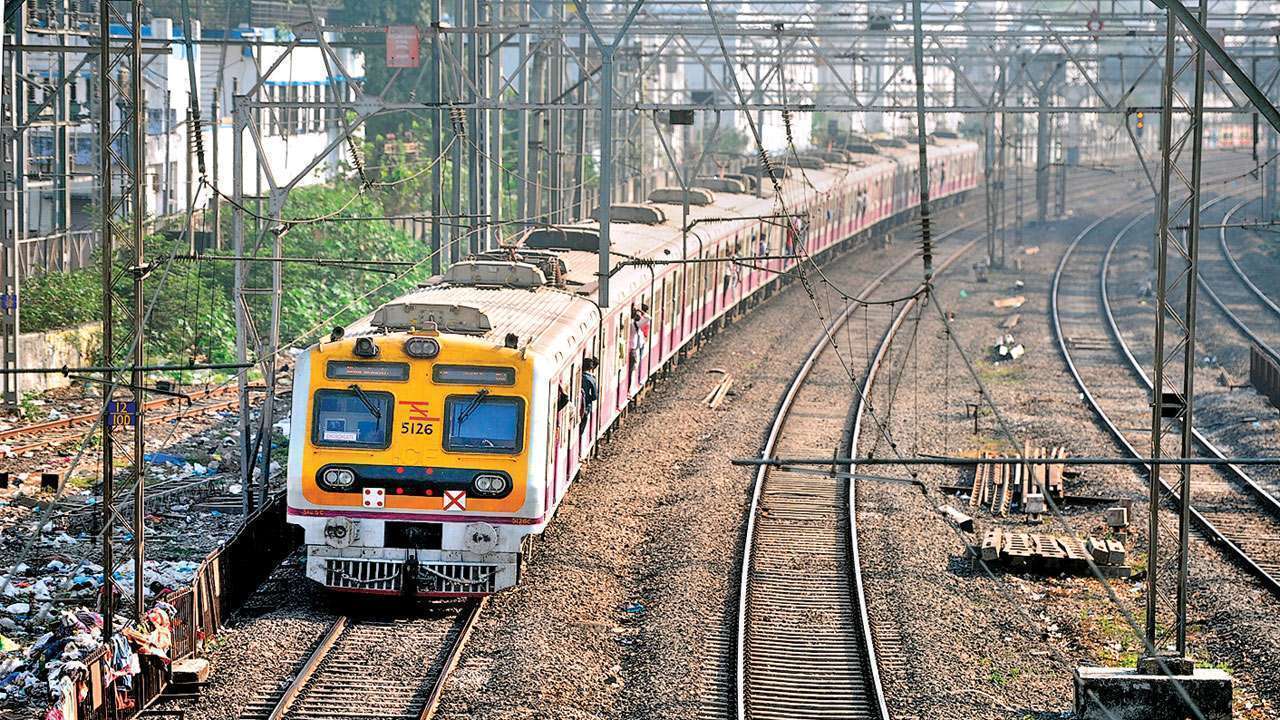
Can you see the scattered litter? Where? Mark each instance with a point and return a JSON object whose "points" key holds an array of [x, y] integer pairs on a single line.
{"points": [[1011, 322], [1010, 302], [1031, 250], [633, 608], [716, 396], [1006, 348], [964, 293], [162, 458]]}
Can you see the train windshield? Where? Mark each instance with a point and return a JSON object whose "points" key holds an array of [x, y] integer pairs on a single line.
{"points": [[352, 418], [483, 423]]}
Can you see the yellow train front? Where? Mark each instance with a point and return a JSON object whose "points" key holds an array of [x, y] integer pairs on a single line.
{"points": [[409, 454]]}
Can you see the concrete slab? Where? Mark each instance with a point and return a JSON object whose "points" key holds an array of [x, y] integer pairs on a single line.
{"points": [[1127, 694]]}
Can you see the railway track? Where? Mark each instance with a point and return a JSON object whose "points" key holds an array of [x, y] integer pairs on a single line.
{"points": [[1244, 304], [806, 646], [374, 669], [1228, 505], [1273, 310], [36, 437]]}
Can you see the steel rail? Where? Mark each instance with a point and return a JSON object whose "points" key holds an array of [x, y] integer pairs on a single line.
{"points": [[1258, 490], [1233, 317], [471, 615], [1212, 530], [91, 417], [309, 668], [465, 621], [782, 413], [852, 426], [1244, 279]]}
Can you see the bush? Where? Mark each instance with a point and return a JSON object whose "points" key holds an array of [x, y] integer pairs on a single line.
{"points": [[54, 301], [193, 314]]}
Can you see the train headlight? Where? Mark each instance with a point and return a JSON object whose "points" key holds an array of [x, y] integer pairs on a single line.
{"points": [[365, 347], [421, 347], [490, 484], [338, 478]]}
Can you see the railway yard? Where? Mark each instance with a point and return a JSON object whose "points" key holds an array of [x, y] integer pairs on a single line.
{"points": [[763, 360]]}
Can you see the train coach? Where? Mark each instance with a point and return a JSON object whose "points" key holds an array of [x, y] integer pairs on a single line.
{"points": [[433, 440]]}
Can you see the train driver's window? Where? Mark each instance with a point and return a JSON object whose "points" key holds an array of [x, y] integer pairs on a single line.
{"points": [[354, 418], [483, 423]]}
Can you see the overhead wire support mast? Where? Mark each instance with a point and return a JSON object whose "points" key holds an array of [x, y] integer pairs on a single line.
{"points": [[122, 149], [607, 51], [1172, 404], [926, 240]]}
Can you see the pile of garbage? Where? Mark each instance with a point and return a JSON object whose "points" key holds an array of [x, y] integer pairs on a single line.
{"points": [[46, 632], [52, 670]]}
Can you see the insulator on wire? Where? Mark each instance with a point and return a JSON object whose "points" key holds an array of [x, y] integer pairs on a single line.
{"points": [[197, 139], [458, 118], [357, 161]]}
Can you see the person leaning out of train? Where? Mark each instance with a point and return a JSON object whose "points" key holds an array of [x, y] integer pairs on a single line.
{"points": [[590, 390]]}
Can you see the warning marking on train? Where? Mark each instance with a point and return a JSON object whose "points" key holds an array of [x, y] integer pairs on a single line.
{"points": [[375, 497], [455, 499], [419, 410]]}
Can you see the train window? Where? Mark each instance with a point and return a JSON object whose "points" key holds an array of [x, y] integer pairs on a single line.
{"points": [[352, 418], [483, 423]]}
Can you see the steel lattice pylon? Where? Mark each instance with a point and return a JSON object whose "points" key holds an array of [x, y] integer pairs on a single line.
{"points": [[122, 158], [1176, 256]]}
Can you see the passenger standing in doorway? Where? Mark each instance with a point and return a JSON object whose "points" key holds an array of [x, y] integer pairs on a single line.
{"points": [[590, 391]]}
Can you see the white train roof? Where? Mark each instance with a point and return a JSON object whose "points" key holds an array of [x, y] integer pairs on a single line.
{"points": [[548, 320]]}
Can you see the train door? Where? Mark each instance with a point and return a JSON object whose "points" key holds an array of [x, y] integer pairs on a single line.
{"points": [[620, 360], [564, 428], [589, 414]]}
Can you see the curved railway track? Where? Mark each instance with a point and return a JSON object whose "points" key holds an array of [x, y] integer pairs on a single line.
{"points": [[1262, 297], [805, 643], [344, 679], [1244, 304], [1229, 506]]}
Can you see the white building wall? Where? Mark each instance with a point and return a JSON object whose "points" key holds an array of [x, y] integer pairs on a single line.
{"points": [[290, 141]]}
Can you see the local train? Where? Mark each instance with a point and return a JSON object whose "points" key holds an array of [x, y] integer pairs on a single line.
{"points": [[433, 440]]}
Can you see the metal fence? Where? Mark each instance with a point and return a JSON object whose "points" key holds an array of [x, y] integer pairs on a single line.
{"points": [[60, 252], [223, 581], [1264, 374]]}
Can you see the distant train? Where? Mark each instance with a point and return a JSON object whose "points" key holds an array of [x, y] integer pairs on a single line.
{"points": [[434, 440]]}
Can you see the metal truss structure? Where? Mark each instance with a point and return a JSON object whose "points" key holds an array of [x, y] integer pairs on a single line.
{"points": [[576, 84], [122, 157]]}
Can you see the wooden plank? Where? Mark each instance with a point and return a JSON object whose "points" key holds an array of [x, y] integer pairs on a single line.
{"points": [[1042, 471], [1026, 473], [1053, 473], [997, 490]]}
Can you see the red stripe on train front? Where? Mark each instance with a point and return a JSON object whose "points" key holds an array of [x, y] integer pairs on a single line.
{"points": [[450, 517]]}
